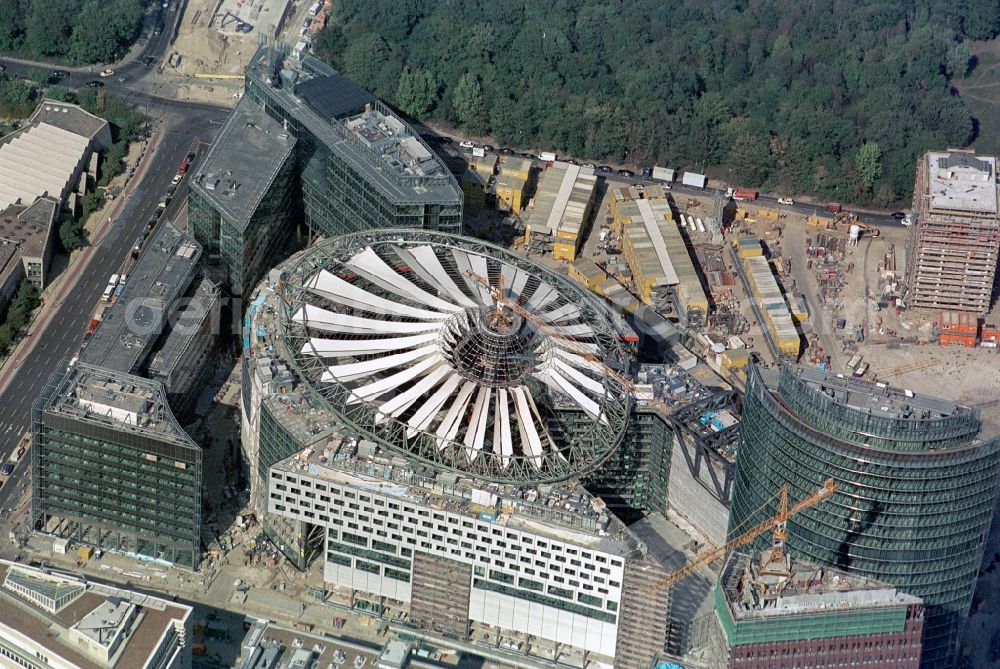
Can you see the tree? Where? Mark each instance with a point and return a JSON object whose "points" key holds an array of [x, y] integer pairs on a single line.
{"points": [[69, 235], [48, 29], [417, 93], [869, 164], [959, 60], [467, 101], [61, 93]]}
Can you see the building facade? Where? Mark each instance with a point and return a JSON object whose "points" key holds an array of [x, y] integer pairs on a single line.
{"points": [[325, 154], [430, 449], [952, 259], [918, 485], [111, 467], [53, 620]]}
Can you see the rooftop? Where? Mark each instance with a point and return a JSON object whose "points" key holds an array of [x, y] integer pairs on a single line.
{"points": [[393, 331], [25, 231], [185, 327], [137, 319], [960, 181], [357, 127], [100, 614], [243, 161], [71, 118], [265, 637], [763, 586], [560, 204], [37, 160], [115, 400]]}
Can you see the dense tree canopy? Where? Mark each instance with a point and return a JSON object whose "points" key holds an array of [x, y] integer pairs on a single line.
{"points": [[835, 98], [75, 31]]}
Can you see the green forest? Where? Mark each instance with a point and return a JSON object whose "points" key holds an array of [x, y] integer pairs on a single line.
{"points": [[835, 98], [70, 31]]}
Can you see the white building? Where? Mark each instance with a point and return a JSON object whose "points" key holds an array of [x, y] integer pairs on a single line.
{"points": [[57, 621]]}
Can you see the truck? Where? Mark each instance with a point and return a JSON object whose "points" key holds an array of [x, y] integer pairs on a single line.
{"points": [[92, 328], [547, 157], [744, 195], [834, 207]]}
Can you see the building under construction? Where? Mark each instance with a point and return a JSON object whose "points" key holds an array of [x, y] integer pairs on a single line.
{"points": [[420, 412], [953, 248], [775, 612], [918, 483]]}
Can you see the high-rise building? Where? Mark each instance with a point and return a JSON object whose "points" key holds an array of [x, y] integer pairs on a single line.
{"points": [[917, 476], [429, 445], [111, 468], [953, 250], [307, 145], [779, 613]]}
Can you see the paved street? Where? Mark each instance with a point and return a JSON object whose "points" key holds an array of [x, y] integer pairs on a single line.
{"points": [[179, 124]]}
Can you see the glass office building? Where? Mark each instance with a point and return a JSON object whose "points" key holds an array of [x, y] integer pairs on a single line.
{"points": [[307, 145], [111, 468], [918, 485]]}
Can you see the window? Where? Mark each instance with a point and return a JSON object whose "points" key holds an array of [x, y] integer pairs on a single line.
{"points": [[560, 592], [336, 558], [396, 574], [368, 567], [500, 576], [590, 600], [354, 538], [383, 546], [530, 584]]}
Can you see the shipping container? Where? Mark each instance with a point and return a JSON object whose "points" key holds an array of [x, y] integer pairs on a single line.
{"points": [[834, 207], [744, 195]]}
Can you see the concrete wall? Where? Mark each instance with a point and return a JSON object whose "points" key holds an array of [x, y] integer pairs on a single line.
{"points": [[693, 501]]}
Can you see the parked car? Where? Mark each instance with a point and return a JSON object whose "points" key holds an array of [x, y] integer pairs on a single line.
{"points": [[171, 189], [8, 468], [786, 200], [504, 151], [466, 144], [59, 74], [647, 172], [605, 169], [183, 167], [898, 215], [589, 166], [487, 148], [95, 84], [107, 73], [176, 180], [626, 173], [190, 157], [147, 61]]}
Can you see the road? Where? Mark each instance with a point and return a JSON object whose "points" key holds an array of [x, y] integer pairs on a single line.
{"points": [[180, 123]]}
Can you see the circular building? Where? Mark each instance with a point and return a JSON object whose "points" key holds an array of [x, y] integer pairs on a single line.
{"points": [[452, 352], [917, 486]]}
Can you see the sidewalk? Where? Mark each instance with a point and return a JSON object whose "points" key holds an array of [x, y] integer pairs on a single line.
{"points": [[55, 293]]}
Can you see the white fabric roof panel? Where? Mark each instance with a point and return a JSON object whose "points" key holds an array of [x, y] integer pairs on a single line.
{"points": [[356, 370], [329, 321], [425, 256], [424, 416], [335, 289], [352, 347], [368, 264], [382, 386], [40, 160]]}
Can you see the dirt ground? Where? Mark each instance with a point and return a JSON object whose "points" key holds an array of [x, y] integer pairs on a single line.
{"points": [[213, 60]]}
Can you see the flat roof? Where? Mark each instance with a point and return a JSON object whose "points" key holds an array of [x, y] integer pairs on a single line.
{"points": [[25, 232], [962, 181], [72, 118], [325, 650], [116, 400], [39, 160], [186, 327], [136, 320], [53, 631], [385, 166], [243, 161]]}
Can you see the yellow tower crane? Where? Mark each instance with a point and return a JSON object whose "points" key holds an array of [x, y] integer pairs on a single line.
{"points": [[777, 522]]}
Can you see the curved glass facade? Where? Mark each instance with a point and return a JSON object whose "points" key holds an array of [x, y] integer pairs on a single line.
{"points": [[916, 497]]}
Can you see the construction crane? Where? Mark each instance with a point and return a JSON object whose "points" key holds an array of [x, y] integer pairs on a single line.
{"points": [[777, 523], [504, 302]]}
